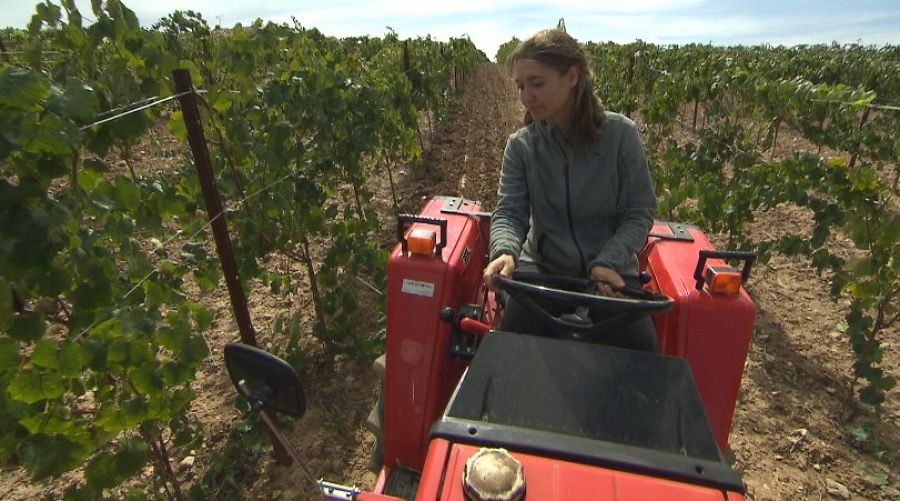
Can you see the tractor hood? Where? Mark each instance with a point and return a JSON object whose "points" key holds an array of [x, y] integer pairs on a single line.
{"points": [[548, 479], [586, 421]]}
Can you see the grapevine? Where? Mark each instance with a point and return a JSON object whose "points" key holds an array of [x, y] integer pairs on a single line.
{"points": [[99, 341]]}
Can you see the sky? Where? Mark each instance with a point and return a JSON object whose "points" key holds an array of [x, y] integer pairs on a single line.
{"points": [[489, 23]]}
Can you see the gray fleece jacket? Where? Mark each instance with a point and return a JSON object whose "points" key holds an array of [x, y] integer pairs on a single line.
{"points": [[569, 215]]}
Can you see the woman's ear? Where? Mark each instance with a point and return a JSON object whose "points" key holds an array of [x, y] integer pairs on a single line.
{"points": [[572, 76]]}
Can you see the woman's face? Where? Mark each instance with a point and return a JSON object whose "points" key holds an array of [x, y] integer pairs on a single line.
{"points": [[545, 92]]}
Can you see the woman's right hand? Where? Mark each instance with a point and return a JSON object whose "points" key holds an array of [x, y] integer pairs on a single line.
{"points": [[608, 280], [504, 266]]}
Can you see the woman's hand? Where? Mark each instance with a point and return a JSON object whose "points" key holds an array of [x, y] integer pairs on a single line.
{"points": [[504, 265], [608, 280]]}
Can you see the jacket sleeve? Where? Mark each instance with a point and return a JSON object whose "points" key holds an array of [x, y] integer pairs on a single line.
{"points": [[635, 208], [510, 221]]}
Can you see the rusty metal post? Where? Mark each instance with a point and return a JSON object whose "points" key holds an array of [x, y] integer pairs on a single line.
{"points": [[202, 161], [200, 150]]}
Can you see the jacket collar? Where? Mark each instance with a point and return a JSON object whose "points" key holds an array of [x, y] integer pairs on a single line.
{"points": [[552, 134], [549, 132]]}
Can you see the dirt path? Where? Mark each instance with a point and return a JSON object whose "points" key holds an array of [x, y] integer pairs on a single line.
{"points": [[468, 149]]}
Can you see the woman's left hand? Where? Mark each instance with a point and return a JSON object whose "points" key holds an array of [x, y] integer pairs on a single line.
{"points": [[608, 280]]}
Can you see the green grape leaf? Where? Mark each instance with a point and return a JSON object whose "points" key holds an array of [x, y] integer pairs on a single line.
{"points": [[872, 396], [92, 294], [96, 165], [135, 410], [78, 102], [48, 422], [222, 102], [44, 354], [890, 231], [195, 350], [95, 351], [71, 359], [861, 266], [177, 127], [118, 350], [88, 179], [109, 469], [186, 347], [864, 179], [278, 324], [184, 432], [175, 373], [154, 295], [140, 351], [45, 455], [147, 379], [127, 194], [27, 327], [31, 386], [54, 137], [132, 126], [202, 316], [207, 275], [111, 419], [170, 206], [886, 383], [6, 303], [9, 354], [22, 89]]}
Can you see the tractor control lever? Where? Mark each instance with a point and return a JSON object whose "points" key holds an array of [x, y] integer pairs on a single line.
{"points": [[474, 326], [467, 329]]}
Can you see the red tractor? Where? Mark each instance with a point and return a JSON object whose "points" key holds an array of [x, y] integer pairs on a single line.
{"points": [[470, 412]]}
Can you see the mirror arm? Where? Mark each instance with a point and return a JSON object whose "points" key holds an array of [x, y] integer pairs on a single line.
{"points": [[258, 397], [257, 402]]}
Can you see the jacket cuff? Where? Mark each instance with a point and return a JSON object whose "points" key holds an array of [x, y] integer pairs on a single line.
{"points": [[499, 252], [604, 263]]}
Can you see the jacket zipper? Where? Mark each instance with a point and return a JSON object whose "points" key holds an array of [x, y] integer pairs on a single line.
{"points": [[569, 213]]}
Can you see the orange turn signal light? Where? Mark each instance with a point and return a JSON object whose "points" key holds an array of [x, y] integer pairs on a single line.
{"points": [[723, 280], [422, 241]]}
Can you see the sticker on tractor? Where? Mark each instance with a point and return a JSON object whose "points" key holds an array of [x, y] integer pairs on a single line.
{"points": [[466, 255], [418, 288]]}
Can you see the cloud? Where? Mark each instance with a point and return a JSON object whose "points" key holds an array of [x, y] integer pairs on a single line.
{"points": [[625, 7]]}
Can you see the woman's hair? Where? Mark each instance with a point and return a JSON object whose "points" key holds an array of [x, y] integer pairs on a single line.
{"points": [[558, 50]]}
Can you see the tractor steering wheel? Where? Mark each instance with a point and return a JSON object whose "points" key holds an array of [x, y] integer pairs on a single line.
{"points": [[593, 314]]}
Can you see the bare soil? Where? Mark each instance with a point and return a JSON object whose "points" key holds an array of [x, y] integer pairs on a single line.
{"points": [[796, 429]]}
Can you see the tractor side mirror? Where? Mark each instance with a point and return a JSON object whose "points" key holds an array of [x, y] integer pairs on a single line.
{"points": [[265, 380]]}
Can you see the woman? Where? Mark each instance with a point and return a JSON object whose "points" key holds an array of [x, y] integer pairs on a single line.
{"points": [[575, 195]]}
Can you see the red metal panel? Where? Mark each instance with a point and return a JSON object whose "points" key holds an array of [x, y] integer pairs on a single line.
{"points": [[550, 479], [381, 481], [420, 374], [371, 496], [711, 331], [433, 472]]}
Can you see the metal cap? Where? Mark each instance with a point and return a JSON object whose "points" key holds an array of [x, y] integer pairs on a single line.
{"points": [[493, 475]]}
